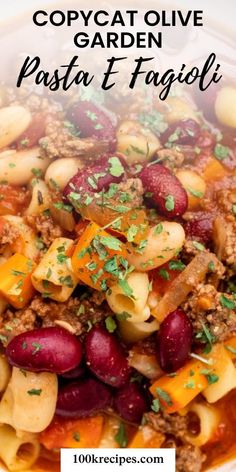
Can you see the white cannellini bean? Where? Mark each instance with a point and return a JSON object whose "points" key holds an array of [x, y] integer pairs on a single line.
{"points": [[225, 106], [136, 142], [16, 166], [13, 122], [62, 170], [160, 247], [40, 198]]}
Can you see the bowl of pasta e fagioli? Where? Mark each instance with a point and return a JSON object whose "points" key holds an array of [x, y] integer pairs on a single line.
{"points": [[117, 235]]}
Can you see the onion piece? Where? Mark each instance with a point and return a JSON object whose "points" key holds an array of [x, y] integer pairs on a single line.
{"points": [[219, 236], [191, 276], [146, 364], [63, 218]]}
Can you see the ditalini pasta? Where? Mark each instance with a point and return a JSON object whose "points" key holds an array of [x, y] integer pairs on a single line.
{"points": [[209, 419], [135, 305], [53, 276], [117, 274], [29, 401], [18, 452]]}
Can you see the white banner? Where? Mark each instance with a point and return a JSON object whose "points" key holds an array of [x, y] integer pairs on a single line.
{"points": [[122, 460]]}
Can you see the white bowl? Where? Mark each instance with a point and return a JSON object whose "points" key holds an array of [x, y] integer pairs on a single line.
{"points": [[29, 42]]}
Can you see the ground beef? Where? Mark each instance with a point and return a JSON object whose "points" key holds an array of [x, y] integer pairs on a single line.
{"points": [[78, 315], [226, 199], [60, 142], [9, 233], [205, 305], [224, 236], [171, 158], [173, 424], [14, 323], [45, 227], [132, 189], [189, 458]]}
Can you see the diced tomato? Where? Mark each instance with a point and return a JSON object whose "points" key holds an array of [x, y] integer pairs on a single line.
{"points": [[33, 133], [81, 433], [162, 277], [13, 200], [80, 227]]}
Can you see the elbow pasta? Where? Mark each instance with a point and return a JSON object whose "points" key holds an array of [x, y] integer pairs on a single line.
{"points": [[135, 305], [209, 419], [18, 452], [53, 276], [29, 401]]}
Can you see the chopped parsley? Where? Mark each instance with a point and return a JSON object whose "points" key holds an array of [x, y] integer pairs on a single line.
{"points": [[198, 246], [164, 274], [164, 396], [63, 206], [206, 337], [67, 281], [169, 202], [221, 152], [116, 168], [176, 265], [110, 324], [35, 391], [158, 229], [37, 347], [210, 376], [121, 436], [227, 302], [156, 406], [195, 193], [76, 436], [37, 172], [127, 290]]}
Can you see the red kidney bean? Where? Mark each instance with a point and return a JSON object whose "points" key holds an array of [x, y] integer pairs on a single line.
{"points": [[130, 402], [174, 341], [94, 178], [75, 373], [106, 358], [91, 120], [167, 193], [200, 227], [45, 349], [182, 132], [82, 398]]}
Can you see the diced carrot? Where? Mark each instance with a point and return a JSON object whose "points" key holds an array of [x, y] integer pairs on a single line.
{"points": [[96, 256], [81, 433], [214, 170], [15, 280], [175, 392], [146, 437]]}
